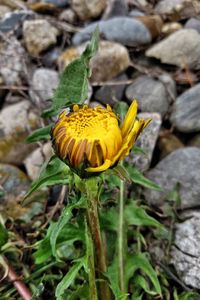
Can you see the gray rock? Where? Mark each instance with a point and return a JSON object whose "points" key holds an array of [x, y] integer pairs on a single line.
{"points": [[152, 95], [115, 8], [16, 123], [14, 182], [180, 48], [180, 167], [136, 13], [186, 110], [125, 30], [13, 20], [88, 9], [147, 141], [12, 61], [185, 254], [111, 93], [39, 35], [169, 6], [193, 24], [44, 82]]}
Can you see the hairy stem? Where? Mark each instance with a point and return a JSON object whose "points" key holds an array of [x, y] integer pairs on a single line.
{"points": [[121, 238], [93, 224], [17, 282]]}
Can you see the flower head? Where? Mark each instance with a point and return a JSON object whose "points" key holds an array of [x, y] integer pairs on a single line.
{"points": [[90, 140]]}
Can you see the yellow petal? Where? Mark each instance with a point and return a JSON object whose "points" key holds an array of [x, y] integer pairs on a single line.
{"points": [[106, 165], [129, 119]]}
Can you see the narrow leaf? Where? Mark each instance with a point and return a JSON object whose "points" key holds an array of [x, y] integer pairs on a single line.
{"points": [[138, 177], [140, 261], [3, 235], [68, 279], [52, 172], [40, 134], [136, 215]]}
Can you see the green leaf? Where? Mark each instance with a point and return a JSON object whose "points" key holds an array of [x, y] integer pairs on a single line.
{"points": [[3, 235], [63, 220], [141, 281], [121, 109], [53, 172], [73, 85], [40, 134], [138, 177], [112, 275], [140, 261], [109, 219], [136, 215], [68, 279]]}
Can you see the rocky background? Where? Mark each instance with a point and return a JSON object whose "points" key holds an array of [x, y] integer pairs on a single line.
{"points": [[150, 51]]}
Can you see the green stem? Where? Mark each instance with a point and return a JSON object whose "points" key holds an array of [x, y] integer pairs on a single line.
{"points": [[91, 274], [94, 226], [121, 238]]}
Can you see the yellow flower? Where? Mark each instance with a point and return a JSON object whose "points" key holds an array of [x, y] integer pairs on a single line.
{"points": [[90, 140]]}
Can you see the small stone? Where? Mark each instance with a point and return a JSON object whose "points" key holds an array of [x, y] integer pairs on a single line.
{"points": [[112, 55], [180, 169], [195, 141], [155, 97], [193, 24], [146, 141], [14, 20], [50, 58], [169, 28], [34, 161], [186, 110], [180, 48], [88, 9], [39, 35], [111, 94], [22, 120], [185, 254], [115, 8], [68, 15], [12, 61], [3, 11], [44, 82], [124, 30], [168, 143], [169, 6]]}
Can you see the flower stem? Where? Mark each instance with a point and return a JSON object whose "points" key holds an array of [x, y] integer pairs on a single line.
{"points": [[121, 238], [94, 226]]}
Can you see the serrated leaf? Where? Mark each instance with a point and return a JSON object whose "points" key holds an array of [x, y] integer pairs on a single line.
{"points": [[141, 281], [140, 261], [73, 85], [113, 276], [53, 172], [63, 220], [40, 134], [68, 279], [138, 177], [136, 215], [3, 235]]}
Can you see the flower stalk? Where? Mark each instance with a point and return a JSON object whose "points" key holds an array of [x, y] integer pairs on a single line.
{"points": [[121, 238], [94, 227]]}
